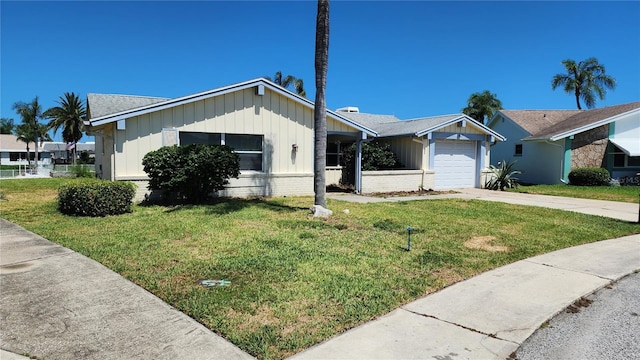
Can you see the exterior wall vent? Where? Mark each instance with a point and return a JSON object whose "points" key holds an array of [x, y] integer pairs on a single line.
{"points": [[349, 109]]}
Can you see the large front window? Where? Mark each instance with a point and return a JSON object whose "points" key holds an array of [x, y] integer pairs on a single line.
{"points": [[620, 159], [248, 147]]}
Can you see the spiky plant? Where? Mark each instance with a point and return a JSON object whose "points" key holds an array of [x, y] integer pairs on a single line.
{"points": [[503, 176]]}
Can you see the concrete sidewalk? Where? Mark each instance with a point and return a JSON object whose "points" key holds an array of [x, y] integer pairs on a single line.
{"points": [[490, 315], [613, 209], [58, 304]]}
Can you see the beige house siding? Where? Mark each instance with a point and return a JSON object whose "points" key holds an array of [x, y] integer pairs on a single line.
{"points": [[282, 121], [460, 130], [408, 151]]}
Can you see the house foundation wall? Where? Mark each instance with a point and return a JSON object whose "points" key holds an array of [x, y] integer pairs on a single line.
{"points": [[248, 185], [393, 180]]}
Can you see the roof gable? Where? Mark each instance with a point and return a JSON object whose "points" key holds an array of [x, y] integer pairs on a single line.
{"points": [[390, 126], [585, 120], [535, 121], [122, 113]]}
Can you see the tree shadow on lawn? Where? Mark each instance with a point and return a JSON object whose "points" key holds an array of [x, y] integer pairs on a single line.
{"points": [[222, 206]]}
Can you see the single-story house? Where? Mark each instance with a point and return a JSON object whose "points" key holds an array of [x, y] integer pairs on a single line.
{"points": [[271, 129], [547, 144], [14, 152]]}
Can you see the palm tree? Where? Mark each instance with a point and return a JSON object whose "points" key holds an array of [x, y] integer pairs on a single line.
{"points": [[320, 109], [70, 116], [287, 81], [481, 106], [6, 126], [585, 79], [31, 114], [25, 133]]}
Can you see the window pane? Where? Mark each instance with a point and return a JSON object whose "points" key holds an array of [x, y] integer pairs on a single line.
{"points": [[633, 161], [618, 160], [518, 150], [188, 138], [332, 160], [244, 142], [250, 161]]}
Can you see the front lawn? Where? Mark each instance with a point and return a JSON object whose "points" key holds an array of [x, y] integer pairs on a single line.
{"points": [[611, 193], [296, 280]]}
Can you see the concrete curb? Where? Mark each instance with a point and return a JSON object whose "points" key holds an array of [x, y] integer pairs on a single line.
{"points": [[490, 315]]}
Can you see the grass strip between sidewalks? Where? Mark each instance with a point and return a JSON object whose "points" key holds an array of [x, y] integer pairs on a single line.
{"points": [[296, 280], [611, 193]]}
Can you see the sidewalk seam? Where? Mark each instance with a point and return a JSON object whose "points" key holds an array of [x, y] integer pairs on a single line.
{"points": [[39, 258], [460, 326]]}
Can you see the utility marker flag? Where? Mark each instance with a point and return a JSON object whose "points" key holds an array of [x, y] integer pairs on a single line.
{"points": [[71, 145]]}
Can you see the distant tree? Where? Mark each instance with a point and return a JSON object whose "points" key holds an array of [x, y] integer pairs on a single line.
{"points": [[6, 126], [482, 106], [31, 113], [320, 109], [69, 116], [585, 80], [289, 81]]}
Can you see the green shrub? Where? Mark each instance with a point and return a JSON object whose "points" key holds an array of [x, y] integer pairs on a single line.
{"points": [[589, 176], [503, 176], [96, 198], [190, 173], [82, 171], [375, 156]]}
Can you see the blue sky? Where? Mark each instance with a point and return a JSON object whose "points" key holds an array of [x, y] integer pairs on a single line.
{"points": [[410, 59]]}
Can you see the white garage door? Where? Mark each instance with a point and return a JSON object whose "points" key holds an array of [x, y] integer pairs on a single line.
{"points": [[455, 164]]}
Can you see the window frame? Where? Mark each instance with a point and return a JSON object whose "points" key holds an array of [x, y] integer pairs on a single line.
{"points": [[515, 150]]}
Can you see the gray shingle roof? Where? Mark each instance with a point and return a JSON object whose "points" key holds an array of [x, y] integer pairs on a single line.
{"points": [[389, 125], [106, 104]]}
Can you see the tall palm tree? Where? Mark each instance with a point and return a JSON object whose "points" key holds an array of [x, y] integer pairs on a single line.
{"points": [[31, 113], [287, 81], [320, 109], [481, 106], [69, 116], [585, 79], [6, 126]]}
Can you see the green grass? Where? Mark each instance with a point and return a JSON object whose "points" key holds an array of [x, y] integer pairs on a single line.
{"points": [[612, 193], [297, 280]]}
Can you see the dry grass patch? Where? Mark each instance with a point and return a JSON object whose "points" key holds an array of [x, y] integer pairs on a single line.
{"points": [[485, 243]]}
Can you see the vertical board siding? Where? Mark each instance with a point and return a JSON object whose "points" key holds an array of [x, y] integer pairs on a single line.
{"points": [[469, 129], [409, 152], [282, 121]]}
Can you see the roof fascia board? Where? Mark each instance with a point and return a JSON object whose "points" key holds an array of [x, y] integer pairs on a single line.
{"points": [[594, 125], [455, 120], [217, 92]]}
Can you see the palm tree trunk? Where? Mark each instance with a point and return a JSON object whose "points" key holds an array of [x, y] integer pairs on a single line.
{"points": [[320, 110]]}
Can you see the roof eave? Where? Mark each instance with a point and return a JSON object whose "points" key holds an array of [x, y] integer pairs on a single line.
{"points": [[217, 92], [590, 126]]}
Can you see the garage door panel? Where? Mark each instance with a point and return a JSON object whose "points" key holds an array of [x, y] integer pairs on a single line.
{"points": [[455, 164]]}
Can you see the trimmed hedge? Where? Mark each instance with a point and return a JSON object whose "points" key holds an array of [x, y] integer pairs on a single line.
{"points": [[190, 173], [96, 198], [589, 176]]}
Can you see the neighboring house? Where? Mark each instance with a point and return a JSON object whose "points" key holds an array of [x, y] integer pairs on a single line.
{"points": [[547, 144], [271, 129], [14, 152], [61, 153]]}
